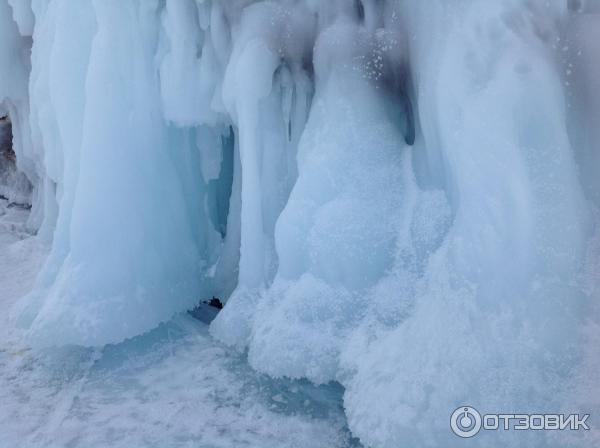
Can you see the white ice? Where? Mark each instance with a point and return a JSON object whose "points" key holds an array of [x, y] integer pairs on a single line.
{"points": [[395, 195]]}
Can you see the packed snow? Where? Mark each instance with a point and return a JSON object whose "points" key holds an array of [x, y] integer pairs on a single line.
{"points": [[397, 201]]}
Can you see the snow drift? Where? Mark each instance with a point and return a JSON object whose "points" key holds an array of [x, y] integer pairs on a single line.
{"points": [[398, 195]]}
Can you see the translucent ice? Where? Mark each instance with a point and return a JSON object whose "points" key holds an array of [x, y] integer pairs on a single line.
{"points": [[401, 196]]}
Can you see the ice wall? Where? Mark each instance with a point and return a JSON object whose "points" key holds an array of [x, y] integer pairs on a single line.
{"points": [[398, 195], [500, 290]]}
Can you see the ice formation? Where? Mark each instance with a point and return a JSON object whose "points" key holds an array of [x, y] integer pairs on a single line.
{"points": [[398, 195]]}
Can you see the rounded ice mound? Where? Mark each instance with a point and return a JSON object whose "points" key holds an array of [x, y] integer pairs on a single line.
{"points": [[493, 323], [336, 237]]}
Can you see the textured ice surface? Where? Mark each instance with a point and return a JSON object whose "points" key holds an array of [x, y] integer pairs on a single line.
{"points": [[397, 195], [171, 387], [174, 386]]}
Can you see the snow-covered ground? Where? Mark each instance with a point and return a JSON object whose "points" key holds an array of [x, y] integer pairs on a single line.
{"points": [[174, 386]]}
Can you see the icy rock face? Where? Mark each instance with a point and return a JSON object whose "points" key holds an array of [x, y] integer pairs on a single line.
{"points": [[14, 135], [14, 185], [398, 195]]}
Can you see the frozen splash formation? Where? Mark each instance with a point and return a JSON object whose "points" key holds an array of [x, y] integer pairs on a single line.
{"points": [[399, 195]]}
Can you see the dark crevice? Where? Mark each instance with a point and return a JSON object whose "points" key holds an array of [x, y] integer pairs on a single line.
{"points": [[225, 185], [15, 204], [409, 129], [360, 10], [215, 302], [207, 310], [14, 185], [6, 149], [396, 84], [220, 189]]}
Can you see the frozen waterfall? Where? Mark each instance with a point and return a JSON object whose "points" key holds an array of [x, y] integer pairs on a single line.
{"points": [[398, 195]]}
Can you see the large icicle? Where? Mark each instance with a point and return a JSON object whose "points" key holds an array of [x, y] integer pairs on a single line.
{"points": [[263, 78], [133, 258]]}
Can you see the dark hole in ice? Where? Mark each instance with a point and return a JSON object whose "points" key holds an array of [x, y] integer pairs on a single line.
{"points": [[6, 149], [10, 177], [215, 302], [397, 86], [221, 188], [409, 131], [207, 310], [360, 9]]}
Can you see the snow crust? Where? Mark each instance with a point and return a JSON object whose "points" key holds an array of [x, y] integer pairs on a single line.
{"points": [[401, 196]]}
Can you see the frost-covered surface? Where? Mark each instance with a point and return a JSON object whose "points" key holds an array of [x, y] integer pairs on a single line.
{"points": [[398, 195], [174, 386]]}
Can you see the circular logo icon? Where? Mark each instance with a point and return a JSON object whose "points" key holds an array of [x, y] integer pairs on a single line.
{"points": [[465, 422]]}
